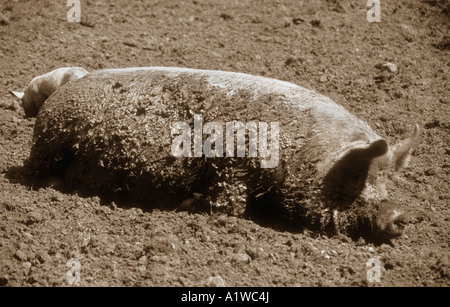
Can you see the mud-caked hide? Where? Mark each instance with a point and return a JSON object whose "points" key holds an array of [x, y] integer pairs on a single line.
{"points": [[110, 133]]}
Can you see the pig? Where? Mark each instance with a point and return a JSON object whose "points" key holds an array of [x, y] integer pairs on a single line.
{"points": [[41, 87], [112, 133]]}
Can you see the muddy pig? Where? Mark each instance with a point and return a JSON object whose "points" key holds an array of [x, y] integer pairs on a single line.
{"points": [[158, 136]]}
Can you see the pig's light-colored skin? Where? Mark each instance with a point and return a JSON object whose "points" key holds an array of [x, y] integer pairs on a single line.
{"points": [[115, 134], [41, 87]]}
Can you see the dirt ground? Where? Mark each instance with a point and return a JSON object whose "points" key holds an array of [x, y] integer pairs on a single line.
{"points": [[326, 45]]}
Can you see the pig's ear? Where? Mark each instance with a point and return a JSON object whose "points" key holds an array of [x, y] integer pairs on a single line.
{"points": [[18, 95], [401, 152], [347, 177], [375, 149], [360, 159]]}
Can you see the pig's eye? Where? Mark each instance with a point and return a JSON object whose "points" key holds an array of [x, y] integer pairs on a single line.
{"points": [[382, 163], [374, 173]]}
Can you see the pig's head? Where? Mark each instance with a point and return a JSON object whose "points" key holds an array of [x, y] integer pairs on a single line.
{"points": [[41, 87], [27, 101], [31, 100], [357, 186]]}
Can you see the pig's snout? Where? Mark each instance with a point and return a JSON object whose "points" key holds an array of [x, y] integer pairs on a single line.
{"points": [[391, 222], [397, 224]]}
